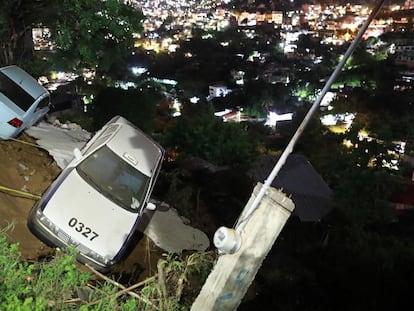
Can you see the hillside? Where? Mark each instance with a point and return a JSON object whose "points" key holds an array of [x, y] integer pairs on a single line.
{"points": [[23, 167]]}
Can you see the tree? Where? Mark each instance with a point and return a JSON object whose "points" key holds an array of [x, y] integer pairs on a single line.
{"points": [[307, 42], [139, 106], [88, 33], [95, 33], [205, 136], [17, 18]]}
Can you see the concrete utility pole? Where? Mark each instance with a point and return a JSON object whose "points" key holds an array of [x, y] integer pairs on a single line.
{"points": [[233, 273], [260, 223]]}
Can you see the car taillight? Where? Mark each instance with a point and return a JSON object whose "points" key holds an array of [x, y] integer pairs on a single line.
{"points": [[15, 122]]}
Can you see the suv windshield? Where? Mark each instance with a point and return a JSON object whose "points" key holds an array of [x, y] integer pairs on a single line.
{"points": [[114, 178]]}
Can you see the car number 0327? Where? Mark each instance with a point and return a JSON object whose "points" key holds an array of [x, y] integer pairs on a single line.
{"points": [[81, 228]]}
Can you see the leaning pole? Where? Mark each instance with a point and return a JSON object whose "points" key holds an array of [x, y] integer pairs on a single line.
{"points": [[243, 249]]}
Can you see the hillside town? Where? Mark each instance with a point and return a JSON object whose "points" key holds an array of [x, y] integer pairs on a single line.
{"points": [[221, 87]]}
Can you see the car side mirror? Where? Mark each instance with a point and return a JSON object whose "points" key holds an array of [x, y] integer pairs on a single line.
{"points": [[77, 153], [151, 206]]}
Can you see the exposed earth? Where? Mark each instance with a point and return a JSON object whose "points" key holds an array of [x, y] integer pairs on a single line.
{"points": [[23, 167]]}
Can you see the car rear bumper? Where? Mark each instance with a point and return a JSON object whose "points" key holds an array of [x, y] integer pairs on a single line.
{"points": [[7, 131]]}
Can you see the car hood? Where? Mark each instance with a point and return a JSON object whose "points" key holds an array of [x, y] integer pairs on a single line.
{"points": [[82, 212]]}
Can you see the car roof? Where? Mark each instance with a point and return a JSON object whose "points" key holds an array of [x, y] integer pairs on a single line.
{"points": [[135, 147], [24, 80]]}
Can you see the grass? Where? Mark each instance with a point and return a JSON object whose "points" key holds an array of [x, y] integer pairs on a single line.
{"points": [[58, 284]]}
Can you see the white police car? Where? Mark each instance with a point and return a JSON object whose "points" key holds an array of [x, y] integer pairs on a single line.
{"points": [[97, 202]]}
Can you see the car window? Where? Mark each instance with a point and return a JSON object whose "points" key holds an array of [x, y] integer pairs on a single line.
{"points": [[15, 93], [114, 178], [103, 137], [43, 103]]}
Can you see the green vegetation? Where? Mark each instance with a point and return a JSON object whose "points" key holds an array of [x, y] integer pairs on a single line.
{"points": [[88, 34], [58, 284], [201, 134], [359, 257], [95, 34], [139, 106]]}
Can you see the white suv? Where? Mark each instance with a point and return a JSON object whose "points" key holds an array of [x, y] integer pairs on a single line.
{"points": [[98, 200], [23, 101]]}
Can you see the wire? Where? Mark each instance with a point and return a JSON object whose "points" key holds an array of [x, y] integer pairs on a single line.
{"points": [[17, 192], [27, 143], [22, 193], [288, 150]]}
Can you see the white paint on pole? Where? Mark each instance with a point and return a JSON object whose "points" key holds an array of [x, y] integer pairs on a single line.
{"points": [[233, 273]]}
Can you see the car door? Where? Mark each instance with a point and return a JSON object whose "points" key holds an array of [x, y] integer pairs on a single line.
{"points": [[37, 111]]}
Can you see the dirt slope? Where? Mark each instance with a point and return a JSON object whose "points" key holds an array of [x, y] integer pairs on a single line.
{"points": [[23, 167]]}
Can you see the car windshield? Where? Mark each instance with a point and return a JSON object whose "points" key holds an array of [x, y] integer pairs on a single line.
{"points": [[114, 178], [15, 93]]}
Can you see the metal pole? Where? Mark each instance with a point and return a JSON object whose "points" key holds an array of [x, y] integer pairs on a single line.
{"points": [[241, 223]]}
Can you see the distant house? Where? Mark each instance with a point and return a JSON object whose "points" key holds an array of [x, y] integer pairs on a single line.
{"points": [[218, 90], [274, 74], [405, 58], [238, 76], [42, 39], [233, 115], [276, 77], [299, 179], [403, 199], [404, 55]]}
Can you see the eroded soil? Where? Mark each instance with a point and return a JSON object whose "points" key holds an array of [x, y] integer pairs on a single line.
{"points": [[23, 167]]}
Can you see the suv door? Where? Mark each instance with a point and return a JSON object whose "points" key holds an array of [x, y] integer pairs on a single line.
{"points": [[38, 111]]}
